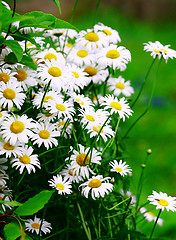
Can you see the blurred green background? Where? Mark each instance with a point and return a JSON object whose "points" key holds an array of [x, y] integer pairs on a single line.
{"points": [[138, 22]]}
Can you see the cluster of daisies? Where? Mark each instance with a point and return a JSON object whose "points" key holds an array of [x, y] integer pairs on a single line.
{"points": [[41, 107]]}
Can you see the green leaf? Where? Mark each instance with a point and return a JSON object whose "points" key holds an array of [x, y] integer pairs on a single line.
{"points": [[12, 231], [15, 47], [26, 60], [58, 5], [11, 58], [33, 205], [13, 203], [2, 39], [20, 37]]}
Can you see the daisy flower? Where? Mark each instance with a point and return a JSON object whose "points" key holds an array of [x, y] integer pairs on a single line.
{"points": [[26, 160], [17, 128], [7, 75], [158, 50], [3, 167], [10, 150], [70, 173], [5, 198], [111, 34], [66, 125], [162, 201], [11, 94], [118, 85], [35, 226], [150, 216], [81, 163], [48, 54], [63, 186], [97, 186], [45, 133], [46, 117], [122, 168], [3, 115], [128, 194], [84, 102], [113, 56], [117, 106]]}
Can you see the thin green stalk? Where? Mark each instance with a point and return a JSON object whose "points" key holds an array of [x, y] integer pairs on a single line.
{"points": [[155, 224], [94, 222], [96, 12], [50, 150], [21, 178], [124, 216], [83, 222], [146, 77], [65, 229], [41, 105], [73, 12], [148, 106], [109, 209], [110, 226]]}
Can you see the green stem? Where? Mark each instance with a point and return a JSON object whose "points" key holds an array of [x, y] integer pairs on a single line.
{"points": [[146, 77], [73, 12], [21, 178], [110, 227], [46, 90], [50, 150], [96, 12], [155, 224], [83, 222], [148, 106]]}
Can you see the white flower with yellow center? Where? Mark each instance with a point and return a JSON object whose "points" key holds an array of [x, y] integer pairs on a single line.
{"points": [[115, 57], [97, 186], [10, 150], [37, 225], [46, 117], [17, 128], [49, 54], [83, 159], [3, 181], [84, 102], [54, 71], [7, 75], [95, 73], [80, 56], [150, 216], [45, 133], [64, 127], [162, 201], [90, 117], [26, 160], [61, 108], [117, 106], [11, 95], [70, 173], [128, 194], [158, 50], [91, 40], [3, 115], [25, 76], [118, 85], [120, 167], [63, 186], [105, 132], [111, 35]]}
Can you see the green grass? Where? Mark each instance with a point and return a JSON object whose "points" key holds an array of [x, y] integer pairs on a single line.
{"points": [[156, 130]]}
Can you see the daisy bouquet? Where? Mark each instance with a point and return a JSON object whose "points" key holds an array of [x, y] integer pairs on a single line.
{"points": [[63, 98]]}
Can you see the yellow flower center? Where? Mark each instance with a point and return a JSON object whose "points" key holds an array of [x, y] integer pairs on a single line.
{"points": [[69, 45], [92, 37], [95, 183], [60, 186], [44, 134], [29, 44], [61, 124], [91, 71], [118, 169], [35, 225], [60, 107], [79, 101], [0, 114], [107, 32], [152, 214], [82, 53], [112, 54], [90, 118], [164, 50], [75, 74], [116, 105], [9, 93], [70, 172], [4, 77], [17, 127], [80, 159], [98, 130], [50, 56], [120, 85], [8, 146], [163, 202], [21, 75], [46, 98], [48, 114], [25, 159], [157, 51], [55, 71]]}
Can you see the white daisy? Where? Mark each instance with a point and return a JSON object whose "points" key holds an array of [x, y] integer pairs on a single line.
{"points": [[46, 117], [162, 201], [6, 75], [3, 115], [3, 167], [17, 128], [63, 186], [64, 127], [82, 161], [128, 194], [150, 216], [5, 198], [120, 167], [158, 50], [35, 226], [118, 85], [113, 56], [26, 160], [117, 106], [11, 94], [98, 186], [84, 102], [69, 173], [10, 150], [48, 54], [45, 133]]}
